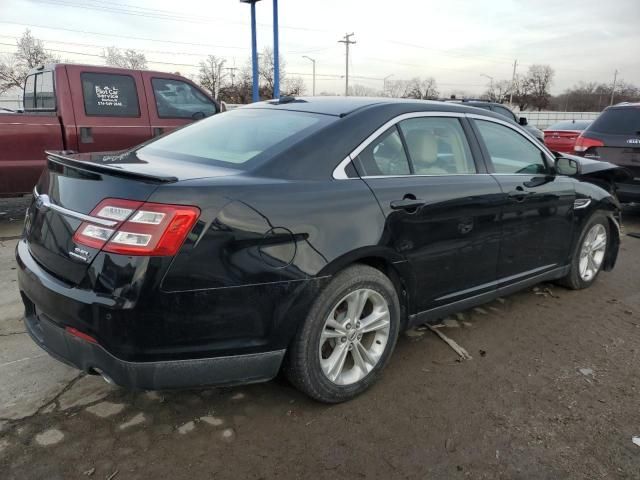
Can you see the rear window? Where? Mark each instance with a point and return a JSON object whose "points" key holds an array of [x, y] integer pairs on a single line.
{"points": [[39, 93], [570, 125], [618, 121], [234, 138], [109, 95]]}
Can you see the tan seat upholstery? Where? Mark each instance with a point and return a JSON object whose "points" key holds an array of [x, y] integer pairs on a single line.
{"points": [[423, 148]]}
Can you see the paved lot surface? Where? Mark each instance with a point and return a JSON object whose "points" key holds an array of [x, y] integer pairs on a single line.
{"points": [[552, 391]]}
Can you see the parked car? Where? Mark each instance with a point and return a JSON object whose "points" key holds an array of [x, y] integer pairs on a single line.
{"points": [[303, 233], [507, 113], [561, 136], [615, 137], [87, 108]]}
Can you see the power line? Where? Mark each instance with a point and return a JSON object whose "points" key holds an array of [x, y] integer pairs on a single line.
{"points": [[161, 14]]}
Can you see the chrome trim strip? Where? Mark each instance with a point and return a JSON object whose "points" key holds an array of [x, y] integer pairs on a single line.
{"points": [[339, 172], [43, 201]]}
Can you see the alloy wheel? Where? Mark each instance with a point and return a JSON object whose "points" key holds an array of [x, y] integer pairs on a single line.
{"points": [[354, 336], [592, 252]]}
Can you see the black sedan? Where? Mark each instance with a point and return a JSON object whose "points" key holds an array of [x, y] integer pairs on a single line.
{"points": [[302, 234]]}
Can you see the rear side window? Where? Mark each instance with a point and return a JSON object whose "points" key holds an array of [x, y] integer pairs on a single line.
{"points": [[236, 137], [618, 121], [39, 92], [177, 99], [437, 146], [384, 156], [510, 152], [505, 112], [110, 95]]}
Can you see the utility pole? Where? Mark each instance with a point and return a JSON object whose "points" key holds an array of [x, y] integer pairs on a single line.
{"points": [[347, 41], [314, 73], [218, 80], [233, 73], [613, 90], [513, 82]]}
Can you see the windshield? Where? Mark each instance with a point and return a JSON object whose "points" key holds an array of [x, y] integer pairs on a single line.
{"points": [[618, 121], [234, 138]]}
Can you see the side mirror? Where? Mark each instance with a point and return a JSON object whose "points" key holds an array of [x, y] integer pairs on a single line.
{"points": [[567, 166], [523, 121]]}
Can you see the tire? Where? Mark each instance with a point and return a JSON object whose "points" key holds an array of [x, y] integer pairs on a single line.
{"points": [[576, 280], [321, 342]]}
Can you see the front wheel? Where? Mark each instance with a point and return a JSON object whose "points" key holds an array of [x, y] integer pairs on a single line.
{"points": [[347, 337], [590, 253]]}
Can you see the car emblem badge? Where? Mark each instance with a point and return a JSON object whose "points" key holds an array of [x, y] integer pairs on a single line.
{"points": [[80, 254]]}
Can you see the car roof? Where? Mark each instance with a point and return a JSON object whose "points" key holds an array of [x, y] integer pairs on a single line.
{"points": [[343, 106]]}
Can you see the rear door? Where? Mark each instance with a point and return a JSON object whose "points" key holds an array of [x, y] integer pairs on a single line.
{"points": [[536, 205], [174, 102], [110, 108], [441, 207]]}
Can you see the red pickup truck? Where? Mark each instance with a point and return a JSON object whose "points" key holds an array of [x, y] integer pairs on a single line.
{"points": [[90, 109]]}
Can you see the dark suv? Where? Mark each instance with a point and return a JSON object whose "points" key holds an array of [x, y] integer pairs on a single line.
{"points": [[615, 137], [508, 113]]}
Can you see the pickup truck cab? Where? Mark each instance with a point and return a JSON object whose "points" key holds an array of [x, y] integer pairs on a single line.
{"points": [[85, 108]]}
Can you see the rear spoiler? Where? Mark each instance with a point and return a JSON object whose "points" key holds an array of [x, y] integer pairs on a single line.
{"points": [[61, 158]]}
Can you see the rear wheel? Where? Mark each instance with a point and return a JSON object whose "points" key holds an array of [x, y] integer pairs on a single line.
{"points": [[590, 253], [347, 337]]}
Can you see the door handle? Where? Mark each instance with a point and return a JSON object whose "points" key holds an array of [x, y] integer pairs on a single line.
{"points": [[519, 194], [407, 204]]}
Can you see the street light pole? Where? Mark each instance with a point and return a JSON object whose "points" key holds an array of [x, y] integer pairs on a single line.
{"points": [[613, 89], [276, 52], [384, 83], [490, 82], [254, 49], [314, 73]]}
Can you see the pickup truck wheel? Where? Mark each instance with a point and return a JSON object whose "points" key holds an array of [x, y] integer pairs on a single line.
{"points": [[589, 254], [347, 337]]}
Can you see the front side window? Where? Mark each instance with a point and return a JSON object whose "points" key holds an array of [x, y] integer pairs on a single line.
{"points": [[511, 152], [384, 156], [109, 95], [176, 99], [235, 138], [437, 146], [39, 93]]}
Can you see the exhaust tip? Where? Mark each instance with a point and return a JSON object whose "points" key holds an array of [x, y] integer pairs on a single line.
{"points": [[105, 377]]}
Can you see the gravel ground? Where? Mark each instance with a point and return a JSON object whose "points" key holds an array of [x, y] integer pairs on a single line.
{"points": [[552, 392]]}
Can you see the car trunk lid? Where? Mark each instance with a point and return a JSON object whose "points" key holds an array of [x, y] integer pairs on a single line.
{"points": [[73, 185]]}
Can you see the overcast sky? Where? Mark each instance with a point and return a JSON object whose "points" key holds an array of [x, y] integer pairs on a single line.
{"points": [[455, 41]]}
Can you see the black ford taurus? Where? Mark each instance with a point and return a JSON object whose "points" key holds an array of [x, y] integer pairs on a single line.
{"points": [[301, 234]]}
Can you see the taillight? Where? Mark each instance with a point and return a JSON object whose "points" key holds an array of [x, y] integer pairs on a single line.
{"points": [[153, 229], [584, 143]]}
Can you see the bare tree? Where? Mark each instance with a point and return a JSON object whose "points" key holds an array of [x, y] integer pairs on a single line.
{"points": [[129, 58], [30, 53], [498, 91], [593, 96], [540, 78], [421, 89], [266, 72], [358, 90], [210, 74], [522, 92], [294, 86]]}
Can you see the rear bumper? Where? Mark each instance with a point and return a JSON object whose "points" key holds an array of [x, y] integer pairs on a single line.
{"points": [[51, 306], [92, 358]]}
